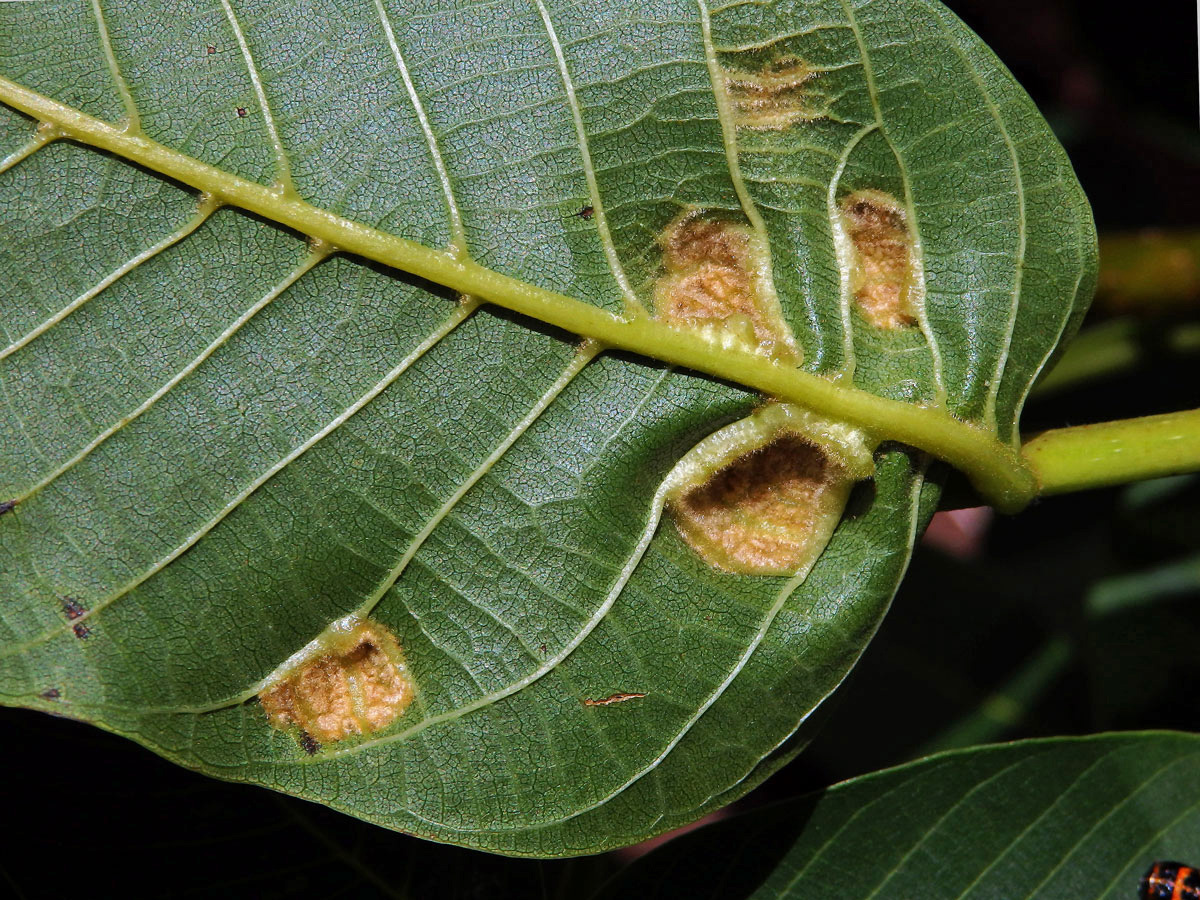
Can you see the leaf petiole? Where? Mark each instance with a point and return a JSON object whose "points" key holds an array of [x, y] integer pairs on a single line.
{"points": [[1108, 453]]}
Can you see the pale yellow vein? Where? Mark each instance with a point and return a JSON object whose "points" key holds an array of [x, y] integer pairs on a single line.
{"points": [[208, 205], [458, 238], [461, 312], [283, 169], [133, 124], [729, 140], [844, 250], [989, 411], [785, 593], [220, 340], [599, 216], [583, 356], [618, 587], [917, 256], [43, 136]]}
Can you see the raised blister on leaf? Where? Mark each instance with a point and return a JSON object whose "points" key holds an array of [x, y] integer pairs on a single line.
{"points": [[351, 680], [773, 97], [763, 495], [883, 278], [717, 279]]}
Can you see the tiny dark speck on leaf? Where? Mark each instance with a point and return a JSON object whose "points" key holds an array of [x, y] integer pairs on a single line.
{"points": [[309, 743], [586, 213], [6, 505], [73, 608], [211, 49], [51, 694], [81, 631], [241, 111]]}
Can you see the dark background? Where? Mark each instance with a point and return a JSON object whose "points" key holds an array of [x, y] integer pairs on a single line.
{"points": [[1016, 632]]}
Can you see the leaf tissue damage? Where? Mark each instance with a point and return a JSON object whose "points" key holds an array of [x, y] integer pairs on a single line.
{"points": [[883, 278], [764, 495], [717, 279], [224, 458], [351, 681], [760, 514], [774, 97]]}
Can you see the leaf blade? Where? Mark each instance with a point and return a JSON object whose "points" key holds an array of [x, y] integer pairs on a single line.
{"points": [[334, 436]]}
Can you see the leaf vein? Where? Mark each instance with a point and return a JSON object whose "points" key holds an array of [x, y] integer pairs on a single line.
{"points": [[633, 305], [219, 341], [460, 314], [584, 356], [1022, 227], [283, 169], [133, 122], [910, 208], [1154, 776], [635, 558], [457, 235]]}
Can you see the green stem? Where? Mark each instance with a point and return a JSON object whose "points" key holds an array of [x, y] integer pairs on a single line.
{"points": [[1092, 456], [996, 470]]}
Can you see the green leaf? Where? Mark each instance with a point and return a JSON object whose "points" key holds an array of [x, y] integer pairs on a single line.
{"points": [[1067, 817], [250, 428]]}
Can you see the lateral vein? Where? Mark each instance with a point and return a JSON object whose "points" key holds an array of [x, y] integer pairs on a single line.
{"points": [[458, 237], [292, 277], [632, 303], [208, 205], [460, 314], [283, 168], [133, 123]]}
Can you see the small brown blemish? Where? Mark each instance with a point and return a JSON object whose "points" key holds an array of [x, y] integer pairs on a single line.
{"points": [[210, 49], [716, 278], [241, 111], [72, 608], [613, 699], [882, 279], [308, 743], [773, 97], [50, 694], [354, 681], [760, 512], [7, 506], [586, 213], [82, 631]]}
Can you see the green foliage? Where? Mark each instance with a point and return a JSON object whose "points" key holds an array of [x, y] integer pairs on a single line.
{"points": [[1056, 818], [221, 438]]}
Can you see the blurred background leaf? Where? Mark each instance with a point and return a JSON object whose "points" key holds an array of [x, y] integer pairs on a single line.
{"points": [[1082, 818]]}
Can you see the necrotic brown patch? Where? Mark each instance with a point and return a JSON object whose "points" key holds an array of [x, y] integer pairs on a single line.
{"points": [[715, 278], [767, 512], [358, 686], [773, 97], [883, 259]]}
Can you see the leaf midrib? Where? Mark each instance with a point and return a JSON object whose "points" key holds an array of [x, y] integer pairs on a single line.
{"points": [[994, 468]]}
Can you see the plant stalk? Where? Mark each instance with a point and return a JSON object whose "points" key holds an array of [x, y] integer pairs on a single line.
{"points": [[1109, 453]]}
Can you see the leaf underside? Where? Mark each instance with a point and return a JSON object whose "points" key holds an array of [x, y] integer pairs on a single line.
{"points": [[1067, 817], [221, 443]]}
